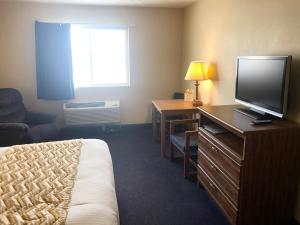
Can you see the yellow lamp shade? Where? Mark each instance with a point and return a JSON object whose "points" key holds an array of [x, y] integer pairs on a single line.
{"points": [[196, 71]]}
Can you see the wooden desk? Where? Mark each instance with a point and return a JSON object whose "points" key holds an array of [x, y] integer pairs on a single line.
{"points": [[167, 108]]}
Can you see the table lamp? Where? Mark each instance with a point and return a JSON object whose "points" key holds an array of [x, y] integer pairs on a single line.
{"points": [[196, 72]]}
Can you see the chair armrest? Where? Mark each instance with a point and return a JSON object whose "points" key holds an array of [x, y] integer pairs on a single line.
{"points": [[190, 133], [34, 118], [13, 133], [174, 123], [21, 127]]}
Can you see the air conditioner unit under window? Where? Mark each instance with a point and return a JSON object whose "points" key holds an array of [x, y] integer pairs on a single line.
{"points": [[89, 113]]}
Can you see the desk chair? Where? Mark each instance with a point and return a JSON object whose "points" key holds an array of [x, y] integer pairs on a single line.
{"points": [[185, 142], [176, 95]]}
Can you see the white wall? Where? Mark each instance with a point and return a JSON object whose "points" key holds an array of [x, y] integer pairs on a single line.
{"points": [[155, 49]]}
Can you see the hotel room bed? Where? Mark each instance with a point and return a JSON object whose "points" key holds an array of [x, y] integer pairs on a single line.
{"points": [[93, 198]]}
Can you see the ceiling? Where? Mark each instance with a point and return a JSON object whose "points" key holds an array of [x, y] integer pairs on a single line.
{"points": [[144, 3]]}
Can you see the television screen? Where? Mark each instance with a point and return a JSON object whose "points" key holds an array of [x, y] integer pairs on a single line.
{"points": [[261, 82]]}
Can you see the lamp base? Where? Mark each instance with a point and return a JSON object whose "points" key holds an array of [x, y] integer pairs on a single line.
{"points": [[197, 103]]}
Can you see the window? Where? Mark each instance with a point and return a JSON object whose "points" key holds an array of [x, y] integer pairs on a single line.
{"points": [[100, 56]]}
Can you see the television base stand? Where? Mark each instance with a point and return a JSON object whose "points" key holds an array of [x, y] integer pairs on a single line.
{"points": [[253, 113]]}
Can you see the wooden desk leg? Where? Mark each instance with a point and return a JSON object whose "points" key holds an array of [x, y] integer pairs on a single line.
{"points": [[163, 134], [154, 123]]}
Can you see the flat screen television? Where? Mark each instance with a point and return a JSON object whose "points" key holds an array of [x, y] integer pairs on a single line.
{"points": [[262, 84]]}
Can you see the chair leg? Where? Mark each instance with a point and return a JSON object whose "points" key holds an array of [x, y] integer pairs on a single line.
{"points": [[171, 152], [186, 166], [158, 131]]}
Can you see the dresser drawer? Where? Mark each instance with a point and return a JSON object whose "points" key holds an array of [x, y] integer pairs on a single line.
{"points": [[219, 157], [218, 176], [226, 206]]}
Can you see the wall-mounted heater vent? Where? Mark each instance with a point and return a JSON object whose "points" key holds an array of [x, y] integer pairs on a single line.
{"points": [[89, 113]]}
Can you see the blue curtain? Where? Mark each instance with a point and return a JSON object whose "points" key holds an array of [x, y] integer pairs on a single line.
{"points": [[53, 61]]}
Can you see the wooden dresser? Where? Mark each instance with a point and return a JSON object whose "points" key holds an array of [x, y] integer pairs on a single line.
{"points": [[250, 171]]}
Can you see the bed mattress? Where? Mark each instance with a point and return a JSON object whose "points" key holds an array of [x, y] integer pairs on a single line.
{"points": [[93, 199]]}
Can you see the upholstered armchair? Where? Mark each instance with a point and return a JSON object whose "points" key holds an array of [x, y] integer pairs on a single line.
{"points": [[18, 126]]}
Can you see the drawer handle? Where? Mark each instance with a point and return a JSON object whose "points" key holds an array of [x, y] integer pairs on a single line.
{"points": [[212, 186], [214, 168], [214, 148]]}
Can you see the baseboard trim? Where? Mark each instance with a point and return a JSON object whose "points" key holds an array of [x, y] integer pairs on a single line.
{"points": [[140, 125], [108, 126]]}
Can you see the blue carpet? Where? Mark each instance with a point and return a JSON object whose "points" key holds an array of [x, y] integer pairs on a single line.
{"points": [[150, 189]]}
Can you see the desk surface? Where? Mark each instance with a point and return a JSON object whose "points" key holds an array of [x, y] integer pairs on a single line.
{"points": [[173, 105]]}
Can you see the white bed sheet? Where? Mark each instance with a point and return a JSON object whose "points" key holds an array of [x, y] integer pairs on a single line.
{"points": [[94, 199]]}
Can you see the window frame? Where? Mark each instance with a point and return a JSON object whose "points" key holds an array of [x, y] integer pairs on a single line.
{"points": [[127, 56]]}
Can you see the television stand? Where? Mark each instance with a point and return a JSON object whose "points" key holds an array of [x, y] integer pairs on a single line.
{"points": [[250, 171], [254, 114]]}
